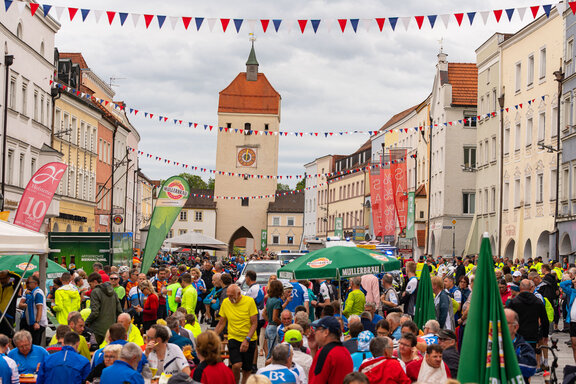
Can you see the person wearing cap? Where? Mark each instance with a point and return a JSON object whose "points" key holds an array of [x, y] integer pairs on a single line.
{"points": [[294, 337], [279, 371], [363, 352], [332, 362], [450, 355], [383, 368]]}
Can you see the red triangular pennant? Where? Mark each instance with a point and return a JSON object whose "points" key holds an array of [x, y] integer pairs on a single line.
{"points": [[380, 22], [264, 23], [224, 24], [497, 14], [342, 23], [186, 21], [459, 17], [302, 24], [111, 15], [148, 20], [419, 20], [72, 12], [33, 8]]}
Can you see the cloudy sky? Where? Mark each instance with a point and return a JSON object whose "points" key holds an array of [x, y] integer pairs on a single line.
{"points": [[329, 81]]}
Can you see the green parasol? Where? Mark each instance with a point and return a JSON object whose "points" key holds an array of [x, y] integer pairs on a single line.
{"points": [[424, 309], [487, 345], [338, 262], [18, 263]]}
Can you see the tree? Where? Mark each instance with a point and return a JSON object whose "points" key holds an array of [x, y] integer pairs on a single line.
{"points": [[194, 181], [282, 187], [301, 185]]}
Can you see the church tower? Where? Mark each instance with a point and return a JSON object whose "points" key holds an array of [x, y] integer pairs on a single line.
{"points": [[249, 112]]}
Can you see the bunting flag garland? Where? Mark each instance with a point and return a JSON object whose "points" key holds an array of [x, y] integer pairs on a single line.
{"points": [[209, 127], [285, 25]]}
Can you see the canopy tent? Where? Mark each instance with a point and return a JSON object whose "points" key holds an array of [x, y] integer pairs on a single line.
{"points": [[15, 240], [196, 240], [337, 263], [19, 264]]}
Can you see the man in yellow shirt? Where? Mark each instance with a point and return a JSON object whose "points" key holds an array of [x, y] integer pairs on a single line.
{"points": [[241, 315]]}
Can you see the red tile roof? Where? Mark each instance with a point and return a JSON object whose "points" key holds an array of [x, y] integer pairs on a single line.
{"points": [[464, 80], [76, 58], [243, 96]]}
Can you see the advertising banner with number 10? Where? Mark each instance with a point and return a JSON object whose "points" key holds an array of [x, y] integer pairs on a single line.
{"points": [[38, 195]]}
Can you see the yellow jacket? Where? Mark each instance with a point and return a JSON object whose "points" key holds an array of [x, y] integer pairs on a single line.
{"points": [[67, 299]]}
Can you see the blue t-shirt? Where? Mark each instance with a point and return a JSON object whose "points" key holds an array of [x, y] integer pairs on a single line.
{"points": [[298, 297], [279, 374], [30, 362]]}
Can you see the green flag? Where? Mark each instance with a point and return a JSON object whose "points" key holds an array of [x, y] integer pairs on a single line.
{"points": [[424, 309], [487, 346], [171, 199]]}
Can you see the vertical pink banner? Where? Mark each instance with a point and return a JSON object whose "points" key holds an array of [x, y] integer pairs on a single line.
{"points": [[38, 195], [388, 203], [376, 200], [399, 186]]}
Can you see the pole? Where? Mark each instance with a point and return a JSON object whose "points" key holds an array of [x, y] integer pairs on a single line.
{"points": [[501, 197], [559, 78], [8, 61]]}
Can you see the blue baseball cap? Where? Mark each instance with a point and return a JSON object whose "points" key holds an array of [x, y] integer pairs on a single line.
{"points": [[328, 322]]}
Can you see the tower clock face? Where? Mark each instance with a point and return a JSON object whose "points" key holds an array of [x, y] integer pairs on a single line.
{"points": [[246, 157]]}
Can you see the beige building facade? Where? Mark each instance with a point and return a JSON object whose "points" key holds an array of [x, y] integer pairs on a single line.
{"points": [[529, 59]]}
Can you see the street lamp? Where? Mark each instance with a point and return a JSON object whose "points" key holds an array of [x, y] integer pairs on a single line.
{"points": [[8, 61], [559, 77]]}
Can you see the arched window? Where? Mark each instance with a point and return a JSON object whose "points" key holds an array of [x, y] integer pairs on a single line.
{"points": [[19, 31]]}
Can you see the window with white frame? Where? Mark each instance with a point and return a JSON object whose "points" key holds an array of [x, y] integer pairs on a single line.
{"points": [[539, 188], [530, 73], [529, 128], [518, 76], [542, 63], [528, 190], [541, 126], [468, 202]]}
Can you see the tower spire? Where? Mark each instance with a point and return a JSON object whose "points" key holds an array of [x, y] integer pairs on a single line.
{"points": [[252, 63]]}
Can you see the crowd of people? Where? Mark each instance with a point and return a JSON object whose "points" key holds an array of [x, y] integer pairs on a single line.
{"points": [[188, 321]]}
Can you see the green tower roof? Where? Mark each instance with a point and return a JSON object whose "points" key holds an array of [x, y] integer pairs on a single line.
{"points": [[252, 57]]}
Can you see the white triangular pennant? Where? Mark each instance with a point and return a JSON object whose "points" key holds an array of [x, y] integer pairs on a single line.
{"points": [[485, 15], [521, 12], [97, 14], [135, 19], [251, 25], [211, 23], [173, 21], [21, 6], [366, 24], [59, 11], [445, 19], [406, 21]]}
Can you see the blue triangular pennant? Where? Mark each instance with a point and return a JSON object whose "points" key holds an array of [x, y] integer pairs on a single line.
{"points": [[393, 21], [161, 20], [198, 21], [315, 24], [471, 17], [7, 4], [277, 23], [547, 8], [510, 13], [238, 24], [432, 20], [354, 23], [123, 16], [46, 8], [85, 13]]}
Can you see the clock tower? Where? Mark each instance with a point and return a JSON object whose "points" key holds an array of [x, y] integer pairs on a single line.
{"points": [[249, 113]]}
